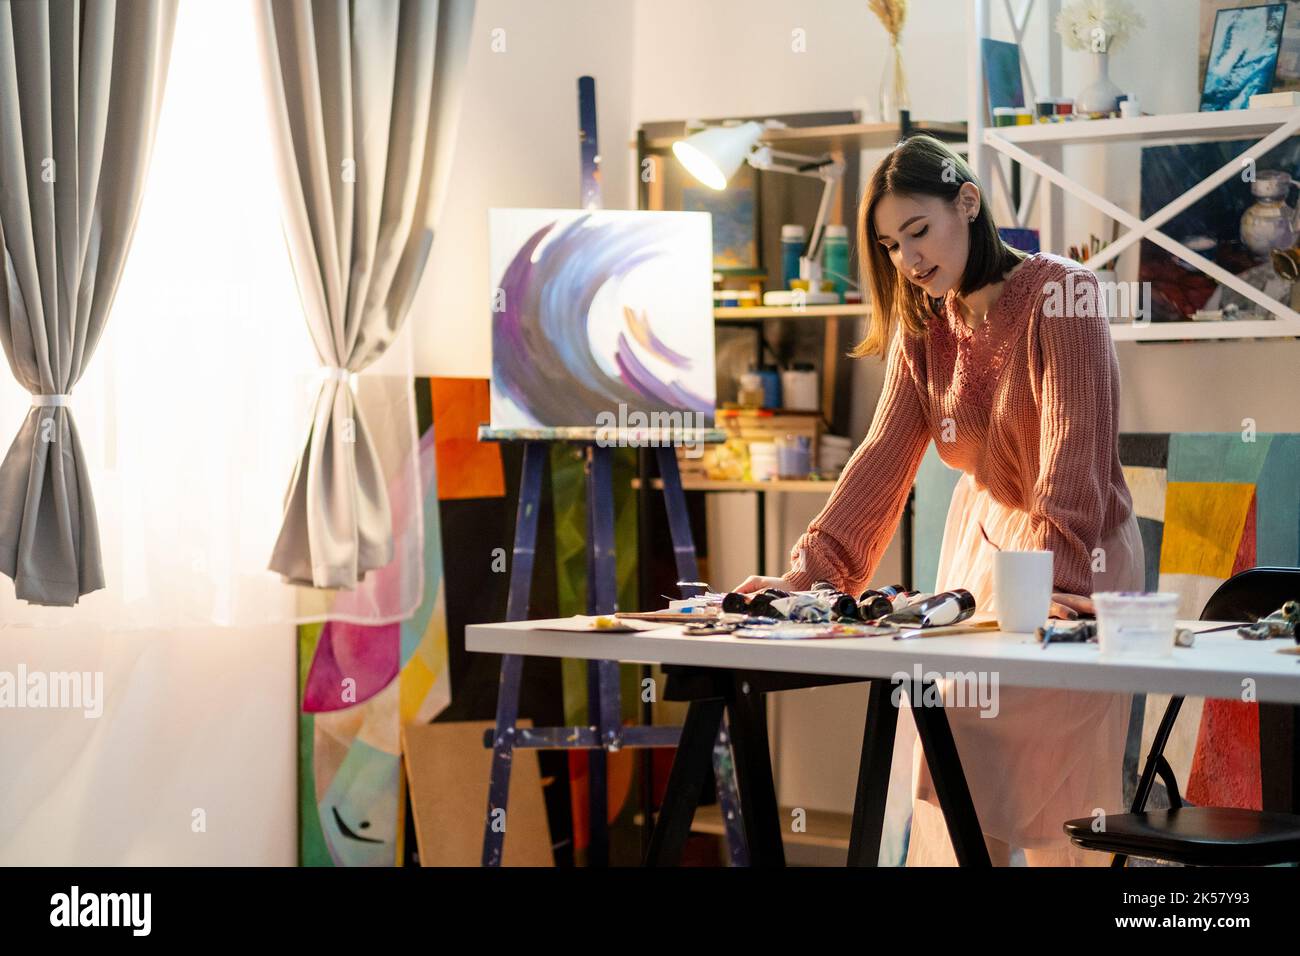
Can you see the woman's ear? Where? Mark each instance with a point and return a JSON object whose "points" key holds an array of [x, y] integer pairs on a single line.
{"points": [[968, 201]]}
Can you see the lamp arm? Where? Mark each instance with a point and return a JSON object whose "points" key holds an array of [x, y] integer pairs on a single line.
{"points": [[832, 175]]}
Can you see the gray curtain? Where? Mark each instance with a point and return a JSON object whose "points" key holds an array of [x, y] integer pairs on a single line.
{"points": [[364, 101], [81, 84]]}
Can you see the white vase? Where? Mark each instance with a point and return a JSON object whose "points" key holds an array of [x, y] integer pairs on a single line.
{"points": [[1101, 95]]}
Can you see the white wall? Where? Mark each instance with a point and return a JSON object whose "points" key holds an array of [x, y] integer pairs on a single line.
{"points": [[199, 720], [518, 146]]}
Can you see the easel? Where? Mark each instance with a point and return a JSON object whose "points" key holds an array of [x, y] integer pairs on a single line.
{"points": [[605, 732]]}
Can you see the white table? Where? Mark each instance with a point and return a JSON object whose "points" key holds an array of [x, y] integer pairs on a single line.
{"points": [[1219, 665]]}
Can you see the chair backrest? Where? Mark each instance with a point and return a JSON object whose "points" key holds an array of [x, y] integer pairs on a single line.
{"points": [[1253, 593]]}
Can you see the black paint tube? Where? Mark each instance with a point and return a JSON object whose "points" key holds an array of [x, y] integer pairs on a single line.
{"points": [[761, 603], [840, 603], [938, 610], [735, 603], [873, 606], [889, 591]]}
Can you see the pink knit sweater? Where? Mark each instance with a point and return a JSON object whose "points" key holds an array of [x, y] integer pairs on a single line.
{"points": [[1027, 404]]}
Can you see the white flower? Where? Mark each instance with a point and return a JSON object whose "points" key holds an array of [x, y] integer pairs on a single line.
{"points": [[1098, 26]]}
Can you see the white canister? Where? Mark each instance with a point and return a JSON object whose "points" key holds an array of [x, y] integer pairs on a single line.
{"points": [[1136, 624], [833, 453], [799, 389], [762, 460]]}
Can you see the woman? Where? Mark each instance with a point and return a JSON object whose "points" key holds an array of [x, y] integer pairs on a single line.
{"points": [[1005, 361]]}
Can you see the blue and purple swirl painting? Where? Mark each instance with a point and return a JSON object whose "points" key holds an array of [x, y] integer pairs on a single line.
{"points": [[597, 309]]}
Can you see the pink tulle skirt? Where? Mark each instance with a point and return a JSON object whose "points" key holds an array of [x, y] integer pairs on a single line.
{"points": [[1048, 755]]}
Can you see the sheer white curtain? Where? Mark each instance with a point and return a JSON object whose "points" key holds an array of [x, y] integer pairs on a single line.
{"points": [[194, 410]]}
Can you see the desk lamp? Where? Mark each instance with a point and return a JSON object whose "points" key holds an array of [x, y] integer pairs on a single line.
{"points": [[714, 154]]}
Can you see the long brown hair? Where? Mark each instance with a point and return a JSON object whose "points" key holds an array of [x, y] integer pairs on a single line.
{"points": [[921, 166]]}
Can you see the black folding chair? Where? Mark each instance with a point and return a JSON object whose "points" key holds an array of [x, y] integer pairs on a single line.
{"points": [[1203, 836]]}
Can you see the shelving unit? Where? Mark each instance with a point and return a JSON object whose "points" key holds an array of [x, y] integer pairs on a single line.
{"points": [[831, 138], [750, 313], [1166, 128], [1038, 149], [802, 486]]}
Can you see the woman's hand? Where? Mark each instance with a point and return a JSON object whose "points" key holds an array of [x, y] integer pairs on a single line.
{"points": [[1070, 606], [755, 583]]}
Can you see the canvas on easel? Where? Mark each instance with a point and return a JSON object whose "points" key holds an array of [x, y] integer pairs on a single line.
{"points": [[598, 313]]}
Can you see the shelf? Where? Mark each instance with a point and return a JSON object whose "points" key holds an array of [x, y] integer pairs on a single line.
{"points": [[1168, 127], [746, 313], [1180, 331], [826, 139], [806, 486], [825, 828]]}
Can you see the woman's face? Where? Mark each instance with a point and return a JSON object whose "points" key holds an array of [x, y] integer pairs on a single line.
{"points": [[928, 237]]}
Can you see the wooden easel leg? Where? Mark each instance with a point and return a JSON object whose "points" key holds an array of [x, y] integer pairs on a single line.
{"points": [[604, 705], [521, 578]]}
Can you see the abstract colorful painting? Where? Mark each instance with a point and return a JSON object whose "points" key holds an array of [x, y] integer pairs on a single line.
{"points": [[598, 313], [1208, 505], [735, 219], [1287, 76], [1243, 55], [359, 684], [1211, 226], [1002, 79], [467, 467]]}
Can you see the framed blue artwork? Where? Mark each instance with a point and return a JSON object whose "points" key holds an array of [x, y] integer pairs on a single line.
{"points": [[1243, 55], [1002, 78]]}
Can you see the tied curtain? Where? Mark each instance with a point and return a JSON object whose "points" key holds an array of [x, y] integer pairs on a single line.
{"points": [[81, 85], [364, 99]]}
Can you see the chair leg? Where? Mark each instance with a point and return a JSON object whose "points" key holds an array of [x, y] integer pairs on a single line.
{"points": [[1156, 764], [1156, 754]]}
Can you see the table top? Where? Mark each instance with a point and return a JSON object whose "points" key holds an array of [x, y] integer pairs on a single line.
{"points": [[1219, 665]]}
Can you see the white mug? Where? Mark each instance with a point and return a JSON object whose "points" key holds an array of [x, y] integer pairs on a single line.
{"points": [[1022, 589]]}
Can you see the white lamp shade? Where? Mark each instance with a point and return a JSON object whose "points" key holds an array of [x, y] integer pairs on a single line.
{"points": [[713, 155]]}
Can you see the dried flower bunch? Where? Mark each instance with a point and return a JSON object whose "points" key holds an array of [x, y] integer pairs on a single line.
{"points": [[1098, 26], [891, 14]]}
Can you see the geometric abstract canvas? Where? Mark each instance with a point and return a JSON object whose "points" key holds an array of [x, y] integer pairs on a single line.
{"points": [[597, 313], [1208, 505], [359, 685]]}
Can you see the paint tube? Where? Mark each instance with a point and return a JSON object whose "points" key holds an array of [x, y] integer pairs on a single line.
{"points": [[873, 606], [760, 604], [806, 607], [937, 610], [840, 603], [889, 591]]}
